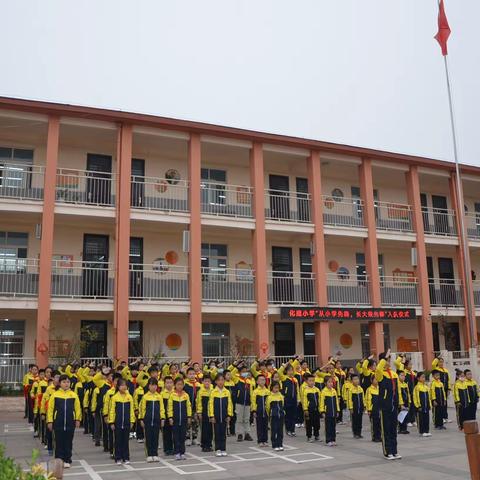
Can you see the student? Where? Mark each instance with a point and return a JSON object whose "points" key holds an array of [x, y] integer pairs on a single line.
{"points": [[220, 411], [439, 364], [167, 431], [121, 418], [53, 386], [473, 396], [109, 445], [341, 375], [103, 381], [138, 394], [276, 412], [192, 386], [329, 406], [390, 403], [291, 394], [439, 400], [311, 408], [179, 412], [63, 416], [203, 398], [259, 402], [346, 386], [151, 415], [36, 392], [356, 405], [423, 403], [461, 397], [231, 386], [366, 369], [245, 385], [372, 406], [28, 380], [407, 402]]}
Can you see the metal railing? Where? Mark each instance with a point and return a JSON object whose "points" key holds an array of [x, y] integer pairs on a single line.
{"points": [[393, 217], [83, 187], [286, 206], [152, 193], [21, 181], [472, 221], [82, 279], [226, 200], [12, 369], [348, 289], [342, 212], [228, 285], [439, 221], [476, 292], [287, 288], [399, 291], [445, 293], [158, 282], [18, 277]]}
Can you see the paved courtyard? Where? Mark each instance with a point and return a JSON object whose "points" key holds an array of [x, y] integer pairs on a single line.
{"points": [[442, 456]]}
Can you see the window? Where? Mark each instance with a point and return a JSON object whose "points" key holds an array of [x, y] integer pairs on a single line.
{"points": [[135, 338], [213, 186], [216, 339], [362, 269], [12, 335], [365, 334], [93, 337], [308, 338], [15, 167], [13, 251], [214, 261]]}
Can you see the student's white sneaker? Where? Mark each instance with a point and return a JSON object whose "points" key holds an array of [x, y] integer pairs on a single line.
{"points": [[448, 420], [188, 443], [218, 453], [280, 448], [397, 456], [429, 434], [66, 465], [150, 459], [297, 425], [140, 440], [118, 462], [194, 442], [276, 449], [127, 462], [425, 435], [178, 456], [414, 424], [390, 457], [409, 424], [183, 457], [156, 459], [224, 454]]}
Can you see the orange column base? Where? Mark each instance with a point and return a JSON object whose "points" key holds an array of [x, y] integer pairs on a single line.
{"points": [[322, 342], [377, 344]]}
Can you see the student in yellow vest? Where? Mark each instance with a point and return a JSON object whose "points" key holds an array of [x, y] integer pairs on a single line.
{"points": [[373, 409], [220, 411], [203, 397], [167, 431], [356, 405], [439, 364], [311, 408], [38, 389], [473, 396], [276, 413], [461, 397], [151, 415], [179, 413], [439, 400], [407, 401], [423, 404], [329, 406], [258, 408]]}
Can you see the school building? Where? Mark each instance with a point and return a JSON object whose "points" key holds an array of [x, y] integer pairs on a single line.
{"points": [[125, 234]]}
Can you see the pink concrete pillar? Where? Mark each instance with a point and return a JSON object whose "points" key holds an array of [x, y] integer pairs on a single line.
{"points": [[425, 332], [322, 329], [259, 253], [194, 257], [371, 252], [46, 243], [122, 245]]}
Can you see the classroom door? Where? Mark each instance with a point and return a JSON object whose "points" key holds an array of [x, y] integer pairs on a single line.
{"points": [[279, 197], [99, 179], [440, 217], [136, 267], [93, 335], [95, 265], [282, 266], [303, 207], [447, 281], [284, 335], [307, 292], [431, 283], [137, 191], [452, 337]]}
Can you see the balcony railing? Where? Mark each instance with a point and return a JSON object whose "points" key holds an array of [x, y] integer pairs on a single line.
{"points": [[228, 285], [287, 206], [399, 291], [348, 289], [393, 217], [287, 288], [150, 193], [445, 292], [342, 212], [18, 277], [158, 282], [472, 221], [84, 187], [439, 221], [226, 200], [82, 279], [21, 181], [476, 292]]}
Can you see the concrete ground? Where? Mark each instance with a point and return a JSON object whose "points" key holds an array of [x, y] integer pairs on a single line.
{"points": [[443, 456]]}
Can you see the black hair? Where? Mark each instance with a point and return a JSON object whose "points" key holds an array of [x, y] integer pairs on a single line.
{"points": [[152, 381], [289, 367], [327, 378], [190, 369], [274, 384], [42, 370], [152, 369], [308, 375], [121, 381], [467, 371], [168, 377], [207, 377], [117, 376], [371, 362], [178, 380], [219, 376], [354, 375], [382, 356], [55, 372], [261, 375], [434, 372], [419, 374], [64, 377]]}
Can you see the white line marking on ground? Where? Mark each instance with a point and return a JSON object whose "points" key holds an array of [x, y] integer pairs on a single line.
{"points": [[216, 467], [89, 470]]}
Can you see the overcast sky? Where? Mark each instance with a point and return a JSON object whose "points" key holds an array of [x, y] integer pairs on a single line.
{"points": [[360, 72]]}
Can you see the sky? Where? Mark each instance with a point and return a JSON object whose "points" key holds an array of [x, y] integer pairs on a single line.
{"points": [[358, 72]]}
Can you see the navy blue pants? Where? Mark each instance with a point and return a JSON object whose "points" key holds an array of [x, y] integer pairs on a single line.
{"points": [[179, 436], [290, 417], [207, 433], [63, 440], [276, 425], [151, 438], [262, 429], [330, 432], [167, 437], [388, 419], [121, 448], [220, 429]]}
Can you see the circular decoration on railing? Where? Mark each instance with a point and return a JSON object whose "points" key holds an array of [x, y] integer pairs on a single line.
{"points": [[343, 273], [172, 176], [171, 257], [159, 265], [337, 194], [333, 265], [329, 203], [346, 341], [173, 341], [161, 186]]}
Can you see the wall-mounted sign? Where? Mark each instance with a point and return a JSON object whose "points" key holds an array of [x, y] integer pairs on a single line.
{"points": [[355, 313]]}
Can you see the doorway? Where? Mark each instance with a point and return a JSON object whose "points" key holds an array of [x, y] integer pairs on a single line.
{"points": [[306, 279], [440, 217], [447, 281], [284, 335], [431, 281], [303, 208], [137, 192], [424, 207], [452, 337], [136, 267], [279, 197], [99, 179], [93, 335], [95, 263], [282, 272]]}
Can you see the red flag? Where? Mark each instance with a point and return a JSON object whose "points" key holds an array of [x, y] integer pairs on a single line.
{"points": [[443, 28]]}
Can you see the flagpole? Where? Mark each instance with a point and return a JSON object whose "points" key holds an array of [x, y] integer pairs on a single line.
{"points": [[458, 186]]}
